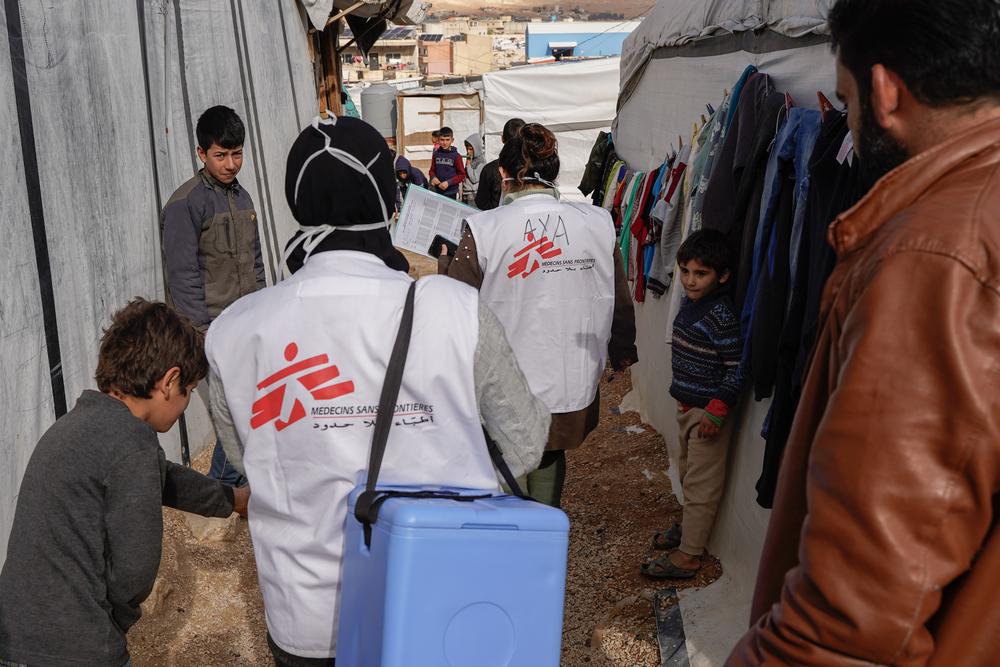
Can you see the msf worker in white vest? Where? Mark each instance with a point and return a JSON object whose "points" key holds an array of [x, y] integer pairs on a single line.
{"points": [[551, 272], [298, 369]]}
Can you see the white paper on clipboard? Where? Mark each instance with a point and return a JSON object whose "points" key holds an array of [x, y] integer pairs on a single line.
{"points": [[426, 214]]}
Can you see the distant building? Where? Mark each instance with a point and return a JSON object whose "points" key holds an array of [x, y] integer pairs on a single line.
{"points": [[560, 39], [508, 50], [395, 52], [435, 55], [472, 54], [462, 25], [460, 54]]}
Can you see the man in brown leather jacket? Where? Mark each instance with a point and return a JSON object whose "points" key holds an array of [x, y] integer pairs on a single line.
{"points": [[883, 546]]}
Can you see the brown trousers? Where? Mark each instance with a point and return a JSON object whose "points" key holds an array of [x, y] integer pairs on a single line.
{"points": [[702, 468]]}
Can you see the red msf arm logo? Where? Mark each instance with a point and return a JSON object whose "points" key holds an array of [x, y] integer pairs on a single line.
{"points": [[529, 259], [319, 383]]}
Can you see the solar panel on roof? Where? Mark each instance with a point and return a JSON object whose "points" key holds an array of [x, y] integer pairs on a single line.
{"points": [[431, 38], [398, 33]]}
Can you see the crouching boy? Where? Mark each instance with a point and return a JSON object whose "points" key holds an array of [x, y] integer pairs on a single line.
{"points": [[706, 384], [85, 544]]}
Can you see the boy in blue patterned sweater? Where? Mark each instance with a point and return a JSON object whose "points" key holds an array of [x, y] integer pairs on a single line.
{"points": [[706, 384]]}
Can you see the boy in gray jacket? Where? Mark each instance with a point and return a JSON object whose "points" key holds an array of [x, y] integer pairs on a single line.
{"points": [[211, 245], [88, 529], [475, 161]]}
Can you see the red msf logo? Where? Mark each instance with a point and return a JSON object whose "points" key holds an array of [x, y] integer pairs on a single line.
{"points": [[529, 259], [318, 383]]}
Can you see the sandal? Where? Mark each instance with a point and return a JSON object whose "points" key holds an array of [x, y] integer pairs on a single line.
{"points": [[662, 568], [667, 539]]}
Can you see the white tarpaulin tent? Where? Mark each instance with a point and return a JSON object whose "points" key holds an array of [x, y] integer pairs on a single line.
{"points": [[425, 110], [682, 57], [97, 135], [576, 100]]}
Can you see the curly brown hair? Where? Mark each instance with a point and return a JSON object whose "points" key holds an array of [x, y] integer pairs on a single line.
{"points": [[533, 151], [145, 340]]}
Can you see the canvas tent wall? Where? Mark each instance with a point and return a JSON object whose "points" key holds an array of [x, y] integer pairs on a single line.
{"points": [[576, 100], [97, 134], [682, 57], [425, 110]]}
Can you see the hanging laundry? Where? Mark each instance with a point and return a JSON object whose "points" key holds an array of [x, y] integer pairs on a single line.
{"points": [[770, 273], [732, 199], [834, 186], [737, 93], [641, 229], [665, 212], [615, 176], [596, 163], [712, 136], [618, 205]]}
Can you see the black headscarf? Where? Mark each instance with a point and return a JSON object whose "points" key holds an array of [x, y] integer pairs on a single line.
{"points": [[323, 189]]}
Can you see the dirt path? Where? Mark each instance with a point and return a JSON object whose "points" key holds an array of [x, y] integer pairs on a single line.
{"points": [[207, 610]]}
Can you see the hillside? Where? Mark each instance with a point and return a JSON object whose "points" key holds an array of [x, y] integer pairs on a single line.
{"points": [[627, 8]]}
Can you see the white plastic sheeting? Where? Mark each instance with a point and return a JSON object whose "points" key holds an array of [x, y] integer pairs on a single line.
{"points": [[427, 110], [665, 101], [673, 92], [107, 95], [576, 100]]}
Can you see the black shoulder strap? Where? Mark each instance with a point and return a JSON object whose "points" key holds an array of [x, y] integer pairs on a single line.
{"points": [[500, 464], [367, 506], [386, 413]]}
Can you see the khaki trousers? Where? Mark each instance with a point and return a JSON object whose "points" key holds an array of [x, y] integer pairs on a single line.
{"points": [[702, 468]]}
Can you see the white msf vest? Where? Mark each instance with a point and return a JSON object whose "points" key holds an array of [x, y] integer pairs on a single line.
{"points": [[302, 364], [548, 274]]}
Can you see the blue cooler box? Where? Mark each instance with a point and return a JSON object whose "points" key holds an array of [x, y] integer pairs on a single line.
{"points": [[454, 584]]}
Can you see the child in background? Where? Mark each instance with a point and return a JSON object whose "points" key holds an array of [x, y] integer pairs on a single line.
{"points": [[473, 169], [88, 529], [406, 175], [436, 138], [706, 384], [447, 170]]}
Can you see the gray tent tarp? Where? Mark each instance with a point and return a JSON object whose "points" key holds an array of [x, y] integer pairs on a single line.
{"points": [[673, 24], [97, 131]]}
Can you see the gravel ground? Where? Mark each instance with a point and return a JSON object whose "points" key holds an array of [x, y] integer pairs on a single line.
{"points": [[206, 607], [617, 495]]}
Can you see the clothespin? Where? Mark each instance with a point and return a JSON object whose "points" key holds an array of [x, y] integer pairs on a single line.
{"points": [[680, 142], [825, 105], [789, 102], [711, 109]]}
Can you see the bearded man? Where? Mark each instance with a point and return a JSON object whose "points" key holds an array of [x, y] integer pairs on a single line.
{"points": [[883, 545]]}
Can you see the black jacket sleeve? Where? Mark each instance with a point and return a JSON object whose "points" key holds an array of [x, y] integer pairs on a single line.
{"points": [[488, 192], [622, 351], [595, 163]]}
